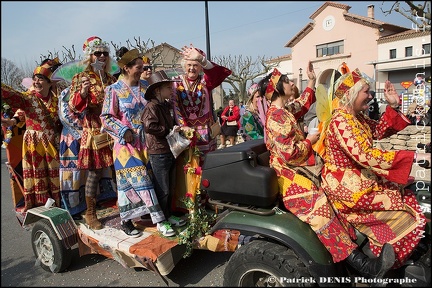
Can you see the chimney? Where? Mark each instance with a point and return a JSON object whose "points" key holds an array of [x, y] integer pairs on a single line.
{"points": [[370, 11]]}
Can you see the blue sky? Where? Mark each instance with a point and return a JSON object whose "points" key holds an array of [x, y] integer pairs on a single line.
{"points": [[29, 29]]}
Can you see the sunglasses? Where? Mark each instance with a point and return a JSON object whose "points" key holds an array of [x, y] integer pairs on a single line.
{"points": [[147, 68], [98, 54]]}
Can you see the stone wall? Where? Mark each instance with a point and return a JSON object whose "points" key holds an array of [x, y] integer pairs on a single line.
{"points": [[406, 139]]}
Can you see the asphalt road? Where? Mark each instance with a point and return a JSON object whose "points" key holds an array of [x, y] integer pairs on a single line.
{"points": [[19, 268]]}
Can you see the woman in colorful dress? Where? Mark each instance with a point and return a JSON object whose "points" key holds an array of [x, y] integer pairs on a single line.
{"points": [[251, 122], [121, 118], [193, 107], [86, 97], [193, 98], [72, 178], [41, 138], [365, 183], [288, 149]]}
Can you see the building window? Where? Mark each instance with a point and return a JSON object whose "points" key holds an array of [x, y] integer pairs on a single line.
{"points": [[408, 51], [330, 49], [426, 49], [392, 53]]}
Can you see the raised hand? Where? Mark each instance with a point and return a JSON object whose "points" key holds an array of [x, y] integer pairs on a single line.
{"points": [[190, 53], [310, 71], [390, 94]]}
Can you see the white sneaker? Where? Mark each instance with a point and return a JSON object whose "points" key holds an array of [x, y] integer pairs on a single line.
{"points": [[221, 146], [165, 228], [176, 221]]}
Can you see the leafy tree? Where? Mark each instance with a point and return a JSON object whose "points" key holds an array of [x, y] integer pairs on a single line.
{"points": [[418, 14], [11, 75]]}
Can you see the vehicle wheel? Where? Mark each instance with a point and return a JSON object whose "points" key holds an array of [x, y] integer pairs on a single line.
{"points": [[48, 249], [265, 264]]}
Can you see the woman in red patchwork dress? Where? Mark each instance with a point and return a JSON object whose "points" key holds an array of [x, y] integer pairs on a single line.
{"points": [[86, 97], [365, 183], [288, 149], [42, 136]]}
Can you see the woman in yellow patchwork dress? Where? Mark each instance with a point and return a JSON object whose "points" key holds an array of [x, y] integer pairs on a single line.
{"points": [[365, 183]]}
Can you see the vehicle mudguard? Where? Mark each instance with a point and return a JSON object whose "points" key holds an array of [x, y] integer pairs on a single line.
{"points": [[60, 219], [284, 228]]}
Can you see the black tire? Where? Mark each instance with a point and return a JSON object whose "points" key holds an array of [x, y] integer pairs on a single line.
{"points": [[50, 252], [264, 264]]}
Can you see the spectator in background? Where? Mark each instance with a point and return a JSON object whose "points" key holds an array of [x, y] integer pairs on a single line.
{"points": [[230, 124], [417, 117], [373, 110], [242, 108]]}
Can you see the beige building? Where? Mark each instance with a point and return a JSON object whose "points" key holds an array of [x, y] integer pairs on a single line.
{"points": [[379, 49]]}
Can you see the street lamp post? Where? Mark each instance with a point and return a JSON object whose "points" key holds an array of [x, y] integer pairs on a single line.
{"points": [[207, 31], [300, 80]]}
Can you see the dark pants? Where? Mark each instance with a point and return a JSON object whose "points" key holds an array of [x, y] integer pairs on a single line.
{"points": [[162, 167]]}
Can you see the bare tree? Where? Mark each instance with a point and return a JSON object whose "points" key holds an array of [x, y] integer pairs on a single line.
{"points": [[11, 75], [418, 14], [244, 70], [156, 52]]}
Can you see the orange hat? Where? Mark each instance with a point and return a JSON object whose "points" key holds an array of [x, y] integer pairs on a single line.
{"points": [[47, 68]]}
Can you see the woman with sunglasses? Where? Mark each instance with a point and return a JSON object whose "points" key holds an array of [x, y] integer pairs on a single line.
{"points": [[86, 98], [147, 70]]}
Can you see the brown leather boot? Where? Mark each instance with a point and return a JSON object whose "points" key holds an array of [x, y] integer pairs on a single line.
{"points": [[90, 216]]}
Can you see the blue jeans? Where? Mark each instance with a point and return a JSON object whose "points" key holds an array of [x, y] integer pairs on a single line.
{"points": [[162, 167]]}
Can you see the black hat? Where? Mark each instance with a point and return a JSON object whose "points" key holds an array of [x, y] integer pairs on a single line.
{"points": [[155, 80]]}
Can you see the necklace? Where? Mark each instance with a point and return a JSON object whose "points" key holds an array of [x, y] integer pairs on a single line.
{"points": [[138, 99], [194, 85]]}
